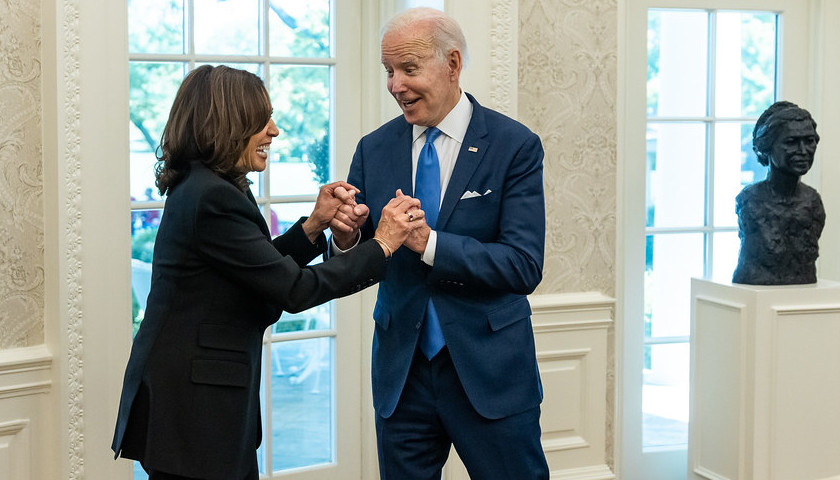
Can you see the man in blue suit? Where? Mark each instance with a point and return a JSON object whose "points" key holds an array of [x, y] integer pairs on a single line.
{"points": [[453, 351]]}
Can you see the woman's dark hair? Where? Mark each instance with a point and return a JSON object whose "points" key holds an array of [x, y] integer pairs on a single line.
{"points": [[767, 127], [215, 113]]}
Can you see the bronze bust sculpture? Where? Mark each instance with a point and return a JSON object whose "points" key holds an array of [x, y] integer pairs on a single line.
{"points": [[780, 219]]}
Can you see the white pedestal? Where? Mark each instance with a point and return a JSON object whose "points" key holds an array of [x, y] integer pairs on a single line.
{"points": [[765, 382]]}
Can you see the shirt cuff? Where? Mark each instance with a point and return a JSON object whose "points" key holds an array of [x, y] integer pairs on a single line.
{"points": [[338, 251], [428, 256]]}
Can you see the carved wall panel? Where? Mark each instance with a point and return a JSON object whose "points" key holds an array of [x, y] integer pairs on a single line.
{"points": [[21, 185], [567, 94]]}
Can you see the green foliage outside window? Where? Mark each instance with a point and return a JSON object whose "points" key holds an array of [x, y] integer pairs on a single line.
{"points": [[301, 98]]}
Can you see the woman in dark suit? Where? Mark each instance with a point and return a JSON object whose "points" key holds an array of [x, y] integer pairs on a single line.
{"points": [[190, 404]]}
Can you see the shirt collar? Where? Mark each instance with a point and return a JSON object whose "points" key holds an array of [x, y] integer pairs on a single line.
{"points": [[454, 124]]}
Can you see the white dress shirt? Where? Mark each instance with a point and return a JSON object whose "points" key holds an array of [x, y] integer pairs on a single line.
{"points": [[453, 128]]}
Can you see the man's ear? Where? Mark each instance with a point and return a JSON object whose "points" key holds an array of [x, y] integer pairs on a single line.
{"points": [[453, 61]]}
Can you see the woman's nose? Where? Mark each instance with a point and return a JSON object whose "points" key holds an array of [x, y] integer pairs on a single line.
{"points": [[804, 146], [272, 128]]}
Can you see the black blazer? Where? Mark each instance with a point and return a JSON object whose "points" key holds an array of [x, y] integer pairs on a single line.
{"points": [[190, 400]]}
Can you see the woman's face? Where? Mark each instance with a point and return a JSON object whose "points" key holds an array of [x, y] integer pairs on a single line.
{"points": [[255, 155], [793, 151]]}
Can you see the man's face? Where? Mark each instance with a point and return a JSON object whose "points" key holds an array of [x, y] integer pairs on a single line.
{"points": [[793, 151], [424, 86]]}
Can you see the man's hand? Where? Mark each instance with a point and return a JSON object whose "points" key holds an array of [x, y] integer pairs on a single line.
{"points": [[419, 236]]}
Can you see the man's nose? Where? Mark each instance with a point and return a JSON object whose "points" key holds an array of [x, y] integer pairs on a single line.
{"points": [[396, 82]]}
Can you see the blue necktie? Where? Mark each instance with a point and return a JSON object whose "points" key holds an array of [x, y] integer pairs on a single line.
{"points": [[427, 190]]}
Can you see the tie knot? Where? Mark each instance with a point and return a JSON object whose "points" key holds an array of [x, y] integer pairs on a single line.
{"points": [[431, 134]]}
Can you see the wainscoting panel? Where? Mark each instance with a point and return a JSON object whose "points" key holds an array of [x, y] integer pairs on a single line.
{"points": [[24, 412], [571, 335]]}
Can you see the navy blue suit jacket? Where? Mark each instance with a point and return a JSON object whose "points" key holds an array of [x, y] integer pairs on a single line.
{"points": [[489, 257]]}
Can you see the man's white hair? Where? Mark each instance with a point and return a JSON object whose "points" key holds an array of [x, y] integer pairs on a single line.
{"points": [[446, 33]]}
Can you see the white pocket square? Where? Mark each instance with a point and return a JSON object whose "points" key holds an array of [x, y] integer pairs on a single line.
{"points": [[472, 194]]}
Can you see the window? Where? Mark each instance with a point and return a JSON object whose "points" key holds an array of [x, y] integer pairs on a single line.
{"points": [[696, 75], [291, 45], [710, 74]]}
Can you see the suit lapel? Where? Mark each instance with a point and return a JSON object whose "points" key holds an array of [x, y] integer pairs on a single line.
{"points": [[399, 168], [469, 157], [262, 224]]}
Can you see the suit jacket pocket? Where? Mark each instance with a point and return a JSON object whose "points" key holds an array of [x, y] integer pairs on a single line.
{"points": [[223, 337], [509, 314], [220, 372]]}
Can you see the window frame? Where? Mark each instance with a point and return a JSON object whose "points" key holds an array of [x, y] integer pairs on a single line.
{"points": [[344, 63]]}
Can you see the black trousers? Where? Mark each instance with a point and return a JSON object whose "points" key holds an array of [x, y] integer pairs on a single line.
{"points": [[158, 475]]}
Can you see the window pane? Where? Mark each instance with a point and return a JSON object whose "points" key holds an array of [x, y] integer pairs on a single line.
{"points": [[673, 260], [151, 93], [726, 247], [299, 29], [283, 216], [735, 167], [300, 155], [677, 63], [144, 227], [228, 27], [256, 179], [156, 26], [255, 68], [302, 412], [665, 396], [676, 176], [745, 81]]}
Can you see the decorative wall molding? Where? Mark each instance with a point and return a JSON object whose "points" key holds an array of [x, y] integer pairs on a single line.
{"points": [[26, 359], [70, 170], [15, 450], [25, 371], [503, 56]]}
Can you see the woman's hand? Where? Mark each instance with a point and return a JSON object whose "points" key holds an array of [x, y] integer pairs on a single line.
{"points": [[330, 198], [399, 217], [346, 224]]}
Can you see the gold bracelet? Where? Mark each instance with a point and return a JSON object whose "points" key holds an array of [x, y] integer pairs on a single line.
{"points": [[384, 244]]}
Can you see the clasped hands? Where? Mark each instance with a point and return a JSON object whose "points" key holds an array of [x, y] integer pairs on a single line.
{"points": [[402, 221]]}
